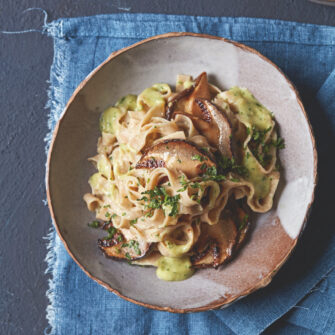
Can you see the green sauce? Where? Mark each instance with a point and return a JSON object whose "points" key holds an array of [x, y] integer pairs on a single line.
{"points": [[252, 114], [251, 111], [104, 167], [108, 120], [174, 269], [127, 103], [174, 249], [260, 181], [150, 97]]}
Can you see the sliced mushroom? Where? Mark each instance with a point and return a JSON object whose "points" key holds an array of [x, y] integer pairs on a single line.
{"points": [[215, 245], [178, 155], [185, 100], [118, 248], [214, 125]]}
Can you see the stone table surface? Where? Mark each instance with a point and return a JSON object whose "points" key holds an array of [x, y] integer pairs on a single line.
{"points": [[25, 61]]}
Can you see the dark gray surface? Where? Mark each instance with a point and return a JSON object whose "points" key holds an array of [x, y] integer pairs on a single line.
{"points": [[24, 69]]}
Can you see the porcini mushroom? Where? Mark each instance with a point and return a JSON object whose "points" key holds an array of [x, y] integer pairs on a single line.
{"points": [[119, 248], [215, 245], [178, 155], [185, 100]]}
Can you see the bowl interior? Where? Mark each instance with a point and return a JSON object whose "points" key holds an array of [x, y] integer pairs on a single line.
{"points": [[274, 234]]}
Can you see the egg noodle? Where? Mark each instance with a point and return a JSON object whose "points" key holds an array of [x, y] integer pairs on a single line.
{"points": [[162, 181]]}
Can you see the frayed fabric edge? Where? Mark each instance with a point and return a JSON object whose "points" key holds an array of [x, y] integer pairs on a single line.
{"points": [[55, 105], [50, 259], [57, 77]]}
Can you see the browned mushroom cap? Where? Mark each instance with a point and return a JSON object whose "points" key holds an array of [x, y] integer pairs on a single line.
{"points": [[178, 155], [215, 125], [215, 245], [127, 250], [185, 100]]}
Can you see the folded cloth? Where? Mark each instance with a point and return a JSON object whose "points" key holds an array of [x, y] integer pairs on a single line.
{"points": [[302, 294]]}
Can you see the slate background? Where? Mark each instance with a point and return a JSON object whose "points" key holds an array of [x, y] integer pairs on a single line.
{"points": [[24, 70]]}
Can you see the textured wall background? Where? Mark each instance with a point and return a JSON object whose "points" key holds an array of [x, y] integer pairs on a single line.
{"points": [[24, 70]]}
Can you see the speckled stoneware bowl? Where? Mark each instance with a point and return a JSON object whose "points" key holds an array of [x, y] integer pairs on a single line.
{"points": [[130, 70]]}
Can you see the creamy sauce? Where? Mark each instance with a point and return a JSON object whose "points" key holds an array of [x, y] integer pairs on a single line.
{"points": [[150, 97], [177, 250], [251, 112], [128, 102], [108, 120], [255, 176], [104, 167], [174, 269]]}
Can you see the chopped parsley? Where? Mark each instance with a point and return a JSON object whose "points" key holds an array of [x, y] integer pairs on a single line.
{"points": [[132, 222], [194, 197], [203, 166], [159, 198], [184, 183], [260, 148], [94, 224], [198, 157], [128, 256], [197, 185], [259, 135], [279, 143], [111, 232], [248, 131], [135, 245], [107, 215], [124, 214], [226, 165], [132, 244], [244, 222]]}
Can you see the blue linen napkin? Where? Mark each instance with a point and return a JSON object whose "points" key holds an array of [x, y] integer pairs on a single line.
{"points": [[303, 292]]}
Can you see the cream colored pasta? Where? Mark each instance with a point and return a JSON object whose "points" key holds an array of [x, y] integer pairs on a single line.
{"points": [[171, 221]]}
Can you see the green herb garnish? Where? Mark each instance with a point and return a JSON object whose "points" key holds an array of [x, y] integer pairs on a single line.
{"points": [[244, 222], [157, 198], [94, 224], [111, 232], [198, 157], [279, 143], [132, 222], [128, 256]]}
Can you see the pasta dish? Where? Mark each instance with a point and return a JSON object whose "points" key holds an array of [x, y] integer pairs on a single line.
{"points": [[179, 173]]}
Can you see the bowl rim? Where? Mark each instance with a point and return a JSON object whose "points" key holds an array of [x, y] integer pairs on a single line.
{"points": [[223, 301]]}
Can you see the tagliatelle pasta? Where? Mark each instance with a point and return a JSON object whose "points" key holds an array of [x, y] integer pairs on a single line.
{"points": [[176, 172]]}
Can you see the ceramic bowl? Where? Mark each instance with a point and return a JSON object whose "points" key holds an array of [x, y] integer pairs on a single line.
{"points": [[130, 70]]}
